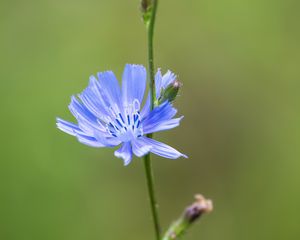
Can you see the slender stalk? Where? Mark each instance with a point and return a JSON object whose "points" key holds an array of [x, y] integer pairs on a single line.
{"points": [[150, 32], [151, 191], [147, 160]]}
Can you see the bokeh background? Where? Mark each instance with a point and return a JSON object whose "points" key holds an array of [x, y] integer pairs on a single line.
{"points": [[239, 63]]}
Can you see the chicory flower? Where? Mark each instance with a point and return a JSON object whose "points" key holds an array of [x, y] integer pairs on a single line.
{"points": [[108, 115]]}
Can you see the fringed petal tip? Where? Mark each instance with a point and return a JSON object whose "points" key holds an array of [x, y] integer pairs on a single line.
{"points": [[66, 126], [134, 65]]}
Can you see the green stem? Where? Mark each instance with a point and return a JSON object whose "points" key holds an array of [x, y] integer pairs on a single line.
{"points": [[147, 160], [153, 202], [177, 229], [150, 33]]}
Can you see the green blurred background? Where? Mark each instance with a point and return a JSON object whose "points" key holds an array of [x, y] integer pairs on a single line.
{"points": [[239, 63]]}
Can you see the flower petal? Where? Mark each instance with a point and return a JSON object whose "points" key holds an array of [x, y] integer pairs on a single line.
{"points": [[67, 127], [162, 125], [162, 149], [90, 141], [146, 109], [110, 88], [133, 83], [107, 141], [159, 114], [162, 82], [125, 152], [168, 78], [140, 148], [158, 83], [94, 100], [80, 111], [87, 122]]}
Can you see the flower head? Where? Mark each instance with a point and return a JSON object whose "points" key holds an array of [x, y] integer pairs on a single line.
{"points": [[108, 115]]}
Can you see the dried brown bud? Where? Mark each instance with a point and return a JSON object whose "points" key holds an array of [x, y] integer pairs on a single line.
{"points": [[200, 206]]}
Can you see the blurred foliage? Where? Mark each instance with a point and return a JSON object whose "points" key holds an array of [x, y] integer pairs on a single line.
{"points": [[239, 63]]}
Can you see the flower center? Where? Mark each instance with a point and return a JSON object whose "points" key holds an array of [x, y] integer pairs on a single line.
{"points": [[126, 126]]}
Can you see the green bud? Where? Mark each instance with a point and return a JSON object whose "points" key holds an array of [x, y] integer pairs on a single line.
{"points": [[170, 92], [146, 9]]}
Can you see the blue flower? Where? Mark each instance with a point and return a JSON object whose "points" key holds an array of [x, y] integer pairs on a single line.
{"points": [[108, 116]]}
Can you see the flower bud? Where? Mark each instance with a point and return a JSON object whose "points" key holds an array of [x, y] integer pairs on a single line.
{"points": [[189, 216], [145, 4], [200, 206], [170, 92], [146, 9]]}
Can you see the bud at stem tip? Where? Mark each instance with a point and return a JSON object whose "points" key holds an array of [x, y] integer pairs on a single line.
{"points": [[200, 206]]}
